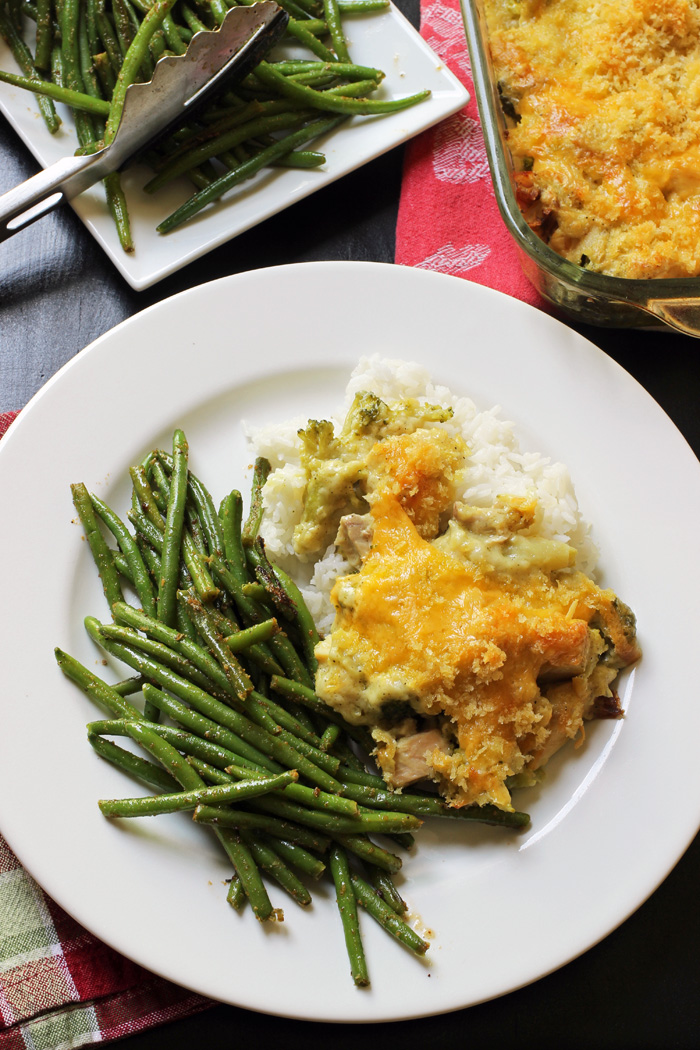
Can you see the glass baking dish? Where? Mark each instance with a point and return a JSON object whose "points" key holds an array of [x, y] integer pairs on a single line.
{"points": [[591, 298]]}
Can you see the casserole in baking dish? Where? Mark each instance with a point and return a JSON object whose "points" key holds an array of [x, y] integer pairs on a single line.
{"points": [[589, 203]]}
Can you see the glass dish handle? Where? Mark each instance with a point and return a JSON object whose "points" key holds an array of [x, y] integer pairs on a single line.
{"points": [[681, 314]]}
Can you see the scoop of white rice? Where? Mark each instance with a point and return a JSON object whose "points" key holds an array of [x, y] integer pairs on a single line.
{"points": [[495, 466]]}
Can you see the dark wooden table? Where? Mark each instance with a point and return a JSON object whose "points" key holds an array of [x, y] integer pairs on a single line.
{"points": [[639, 988]]}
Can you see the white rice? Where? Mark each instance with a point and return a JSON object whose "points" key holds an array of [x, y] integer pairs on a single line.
{"points": [[495, 466]]}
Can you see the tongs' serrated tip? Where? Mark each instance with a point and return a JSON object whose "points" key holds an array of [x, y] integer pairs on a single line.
{"points": [[180, 82]]}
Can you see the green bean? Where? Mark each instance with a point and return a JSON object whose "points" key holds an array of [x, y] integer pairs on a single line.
{"points": [[252, 612], [330, 736], [238, 678], [231, 516], [313, 798], [174, 36], [228, 718], [170, 658], [44, 35], [143, 494], [89, 77], [97, 543], [57, 66], [174, 525], [179, 165], [365, 823], [370, 852], [264, 572], [74, 99], [431, 806], [210, 731], [116, 202], [299, 158], [258, 651], [361, 776], [95, 688], [204, 505], [195, 563], [269, 861], [210, 773], [208, 515], [173, 639], [297, 28], [171, 760], [129, 685], [139, 768], [152, 21], [347, 907], [105, 75], [297, 857], [249, 875], [123, 25], [173, 802], [158, 45], [331, 14], [249, 532], [332, 103], [281, 717], [244, 171], [303, 619], [294, 9], [194, 23], [404, 839], [109, 41], [259, 632], [92, 33], [356, 89], [322, 761], [139, 573], [203, 750], [24, 59], [384, 885], [361, 6], [387, 918], [70, 45], [245, 819], [236, 894], [194, 525]]}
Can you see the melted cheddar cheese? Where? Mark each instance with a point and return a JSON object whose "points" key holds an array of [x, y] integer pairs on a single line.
{"points": [[605, 135], [420, 624], [466, 640]]}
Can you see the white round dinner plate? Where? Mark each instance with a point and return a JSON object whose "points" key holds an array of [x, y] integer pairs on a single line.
{"points": [[502, 908]]}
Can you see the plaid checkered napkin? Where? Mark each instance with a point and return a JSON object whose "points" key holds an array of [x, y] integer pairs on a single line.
{"points": [[61, 988], [448, 217]]}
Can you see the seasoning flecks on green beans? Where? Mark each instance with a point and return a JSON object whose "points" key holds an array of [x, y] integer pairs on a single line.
{"points": [[221, 701], [87, 55]]}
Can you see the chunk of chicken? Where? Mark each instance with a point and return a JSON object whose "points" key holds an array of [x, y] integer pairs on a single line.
{"points": [[354, 538], [412, 753]]}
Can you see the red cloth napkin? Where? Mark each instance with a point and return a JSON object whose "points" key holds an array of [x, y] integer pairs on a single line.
{"points": [[60, 987], [448, 217]]}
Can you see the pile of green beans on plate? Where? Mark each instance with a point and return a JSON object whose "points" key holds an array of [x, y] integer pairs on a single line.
{"points": [[87, 53], [220, 647]]}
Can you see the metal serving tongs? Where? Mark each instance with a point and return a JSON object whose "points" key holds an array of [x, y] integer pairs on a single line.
{"points": [[179, 83]]}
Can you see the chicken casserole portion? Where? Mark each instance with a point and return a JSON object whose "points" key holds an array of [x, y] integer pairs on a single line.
{"points": [[466, 641]]}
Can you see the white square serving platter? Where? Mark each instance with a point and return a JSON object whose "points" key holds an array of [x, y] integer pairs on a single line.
{"points": [[385, 40]]}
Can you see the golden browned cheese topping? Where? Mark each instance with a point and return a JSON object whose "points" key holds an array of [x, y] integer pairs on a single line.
{"points": [[421, 623], [607, 143]]}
